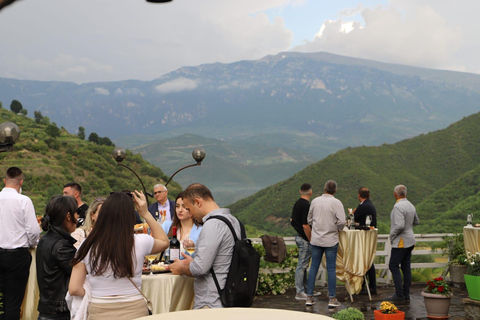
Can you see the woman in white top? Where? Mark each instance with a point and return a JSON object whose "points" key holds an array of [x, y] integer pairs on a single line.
{"points": [[112, 255], [91, 216]]}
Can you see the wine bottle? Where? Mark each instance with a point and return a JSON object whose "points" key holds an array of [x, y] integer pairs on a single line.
{"points": [[174, 245]]}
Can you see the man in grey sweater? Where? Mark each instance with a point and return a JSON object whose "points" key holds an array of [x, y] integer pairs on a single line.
{"points": [[402, 219]]}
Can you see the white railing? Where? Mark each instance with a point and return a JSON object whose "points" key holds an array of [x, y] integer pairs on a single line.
{"points": [[383, 241]]}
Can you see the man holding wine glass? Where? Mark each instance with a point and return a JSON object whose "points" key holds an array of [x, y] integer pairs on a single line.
{"points": [[214, 247], [366, 211]]}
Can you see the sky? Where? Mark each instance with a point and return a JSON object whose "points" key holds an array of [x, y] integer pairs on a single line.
{"points": [[113, 40]]}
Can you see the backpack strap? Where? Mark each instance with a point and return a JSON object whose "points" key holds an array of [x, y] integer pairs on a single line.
{"points": [[235, 238]]}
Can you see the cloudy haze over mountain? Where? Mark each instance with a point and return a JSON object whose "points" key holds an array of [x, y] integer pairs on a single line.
{"points": [[108, 40]]}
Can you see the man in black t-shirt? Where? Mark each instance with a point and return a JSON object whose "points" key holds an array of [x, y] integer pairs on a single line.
{"points": [[74, 190], [302, 239]]}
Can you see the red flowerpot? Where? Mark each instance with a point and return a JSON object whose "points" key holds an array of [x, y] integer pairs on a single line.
{"points": [[400, 315]]}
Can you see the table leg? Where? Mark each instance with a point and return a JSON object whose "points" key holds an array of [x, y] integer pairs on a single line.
{"points": [[348, 287], [367, 286]]}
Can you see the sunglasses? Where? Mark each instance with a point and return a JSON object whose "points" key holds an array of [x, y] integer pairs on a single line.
{"points": [[158, 192]]}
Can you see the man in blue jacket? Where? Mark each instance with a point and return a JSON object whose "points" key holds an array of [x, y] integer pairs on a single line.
{"points": [[164, 207]]}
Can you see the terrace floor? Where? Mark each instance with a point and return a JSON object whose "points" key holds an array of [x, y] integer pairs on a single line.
{"points": [[414, 310]]}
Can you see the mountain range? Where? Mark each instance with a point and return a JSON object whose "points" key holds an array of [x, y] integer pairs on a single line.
{"points": [[292, 108], [441, 171]]}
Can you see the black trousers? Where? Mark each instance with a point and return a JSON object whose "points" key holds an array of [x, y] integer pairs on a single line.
{"points": [[14, 271], [372, 278]]}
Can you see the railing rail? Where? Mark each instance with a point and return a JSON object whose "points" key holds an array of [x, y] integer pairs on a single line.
{"points": [[383, 241]]}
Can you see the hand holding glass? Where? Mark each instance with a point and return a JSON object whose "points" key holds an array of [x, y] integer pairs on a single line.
{"points": [[189, 246]]}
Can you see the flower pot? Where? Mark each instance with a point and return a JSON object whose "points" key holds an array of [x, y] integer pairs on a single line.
{"points": [[437, 305], [473, 286], [457, 274], [400, 315]]}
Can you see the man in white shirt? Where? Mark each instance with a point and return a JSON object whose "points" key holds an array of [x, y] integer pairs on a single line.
{"points": [[20, 231], [326, 216]]}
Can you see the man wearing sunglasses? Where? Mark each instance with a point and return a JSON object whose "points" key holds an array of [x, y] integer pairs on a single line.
{"points": [[164, 208]]}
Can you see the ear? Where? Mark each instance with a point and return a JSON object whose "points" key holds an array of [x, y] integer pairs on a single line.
{"points": [[198, 202], [68, 217]]}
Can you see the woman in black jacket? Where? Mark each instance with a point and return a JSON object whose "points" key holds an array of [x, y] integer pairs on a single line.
{"points": [[55, 251]]}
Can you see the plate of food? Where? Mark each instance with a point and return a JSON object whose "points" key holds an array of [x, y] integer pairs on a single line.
{"points": [[477, 225], [140, 227]]}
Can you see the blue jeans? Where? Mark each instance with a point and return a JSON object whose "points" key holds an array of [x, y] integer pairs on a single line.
{"points": [[401, 257], [304, 255], [331, 255]]}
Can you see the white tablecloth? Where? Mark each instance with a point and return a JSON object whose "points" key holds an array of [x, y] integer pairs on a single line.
{"points": [[168, 292], [241, 314]]}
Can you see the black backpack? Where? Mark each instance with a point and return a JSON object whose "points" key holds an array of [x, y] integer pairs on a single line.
{"points": [[275, 249], [241, 284]]}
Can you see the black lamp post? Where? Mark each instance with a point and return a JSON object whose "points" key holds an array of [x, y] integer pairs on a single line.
{"points": [[9, 134], [198, 155], [119, 154]]}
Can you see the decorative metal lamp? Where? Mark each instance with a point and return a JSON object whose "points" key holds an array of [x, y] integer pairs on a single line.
{"points": [[9, 134], [198, 155]]}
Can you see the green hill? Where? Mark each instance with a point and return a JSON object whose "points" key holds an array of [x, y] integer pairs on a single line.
{"points": [[49, 163], [440, 170]]}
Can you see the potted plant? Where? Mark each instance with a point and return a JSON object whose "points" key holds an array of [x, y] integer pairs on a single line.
{"points": [[472, 278], [349, 314], [437, 296], [388, 311], [454, 248]]}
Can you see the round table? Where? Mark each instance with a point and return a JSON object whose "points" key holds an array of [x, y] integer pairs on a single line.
{"points": [[471, 237], [168, 292], [241, 314]]}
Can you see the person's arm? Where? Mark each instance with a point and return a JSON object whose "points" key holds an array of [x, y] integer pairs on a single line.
{"points": [[63, 254], [398, 222], [415, 219], [161, 242], [340, 215], [79, 273], [31, 224], [182, 267], [308, 231]]}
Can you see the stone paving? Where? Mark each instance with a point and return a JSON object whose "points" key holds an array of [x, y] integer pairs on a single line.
{"points": [[414, 310]]}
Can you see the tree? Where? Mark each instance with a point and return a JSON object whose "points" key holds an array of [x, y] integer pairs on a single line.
{"points": [[93, 137], [38, 116], [81, 133], [16, 106], [24, 112], [105, 141], [1, 104], [52, 130]]}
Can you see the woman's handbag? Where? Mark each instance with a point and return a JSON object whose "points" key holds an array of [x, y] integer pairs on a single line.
{"points": [[149, 303]]}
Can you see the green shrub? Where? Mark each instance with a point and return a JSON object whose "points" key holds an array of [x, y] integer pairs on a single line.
{"points": [[348, 314], [277, 283]]}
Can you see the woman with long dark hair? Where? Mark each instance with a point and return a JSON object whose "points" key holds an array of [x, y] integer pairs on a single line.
{"points": [[113, 255], [55, 251], [187, 228]]}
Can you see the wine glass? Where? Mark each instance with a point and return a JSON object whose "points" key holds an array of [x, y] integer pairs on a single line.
{"points": [[368, 220], [189, 246], [150, 259]]}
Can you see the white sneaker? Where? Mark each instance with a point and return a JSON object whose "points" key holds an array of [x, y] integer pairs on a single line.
{"points": [[316, 293], [301, 296], [333, 302], [310, 301]]}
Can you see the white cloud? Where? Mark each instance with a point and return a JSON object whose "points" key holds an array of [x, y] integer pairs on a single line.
{"points": [[102, 91], [411, 35], [177, 85]]}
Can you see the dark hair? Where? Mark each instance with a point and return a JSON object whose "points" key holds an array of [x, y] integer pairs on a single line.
{"points": [[364, 193], [14, 173], [330, 187], [306, 187], [56, 211], [197, 190], [75, 186], [176, 221], [111, 242]]}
